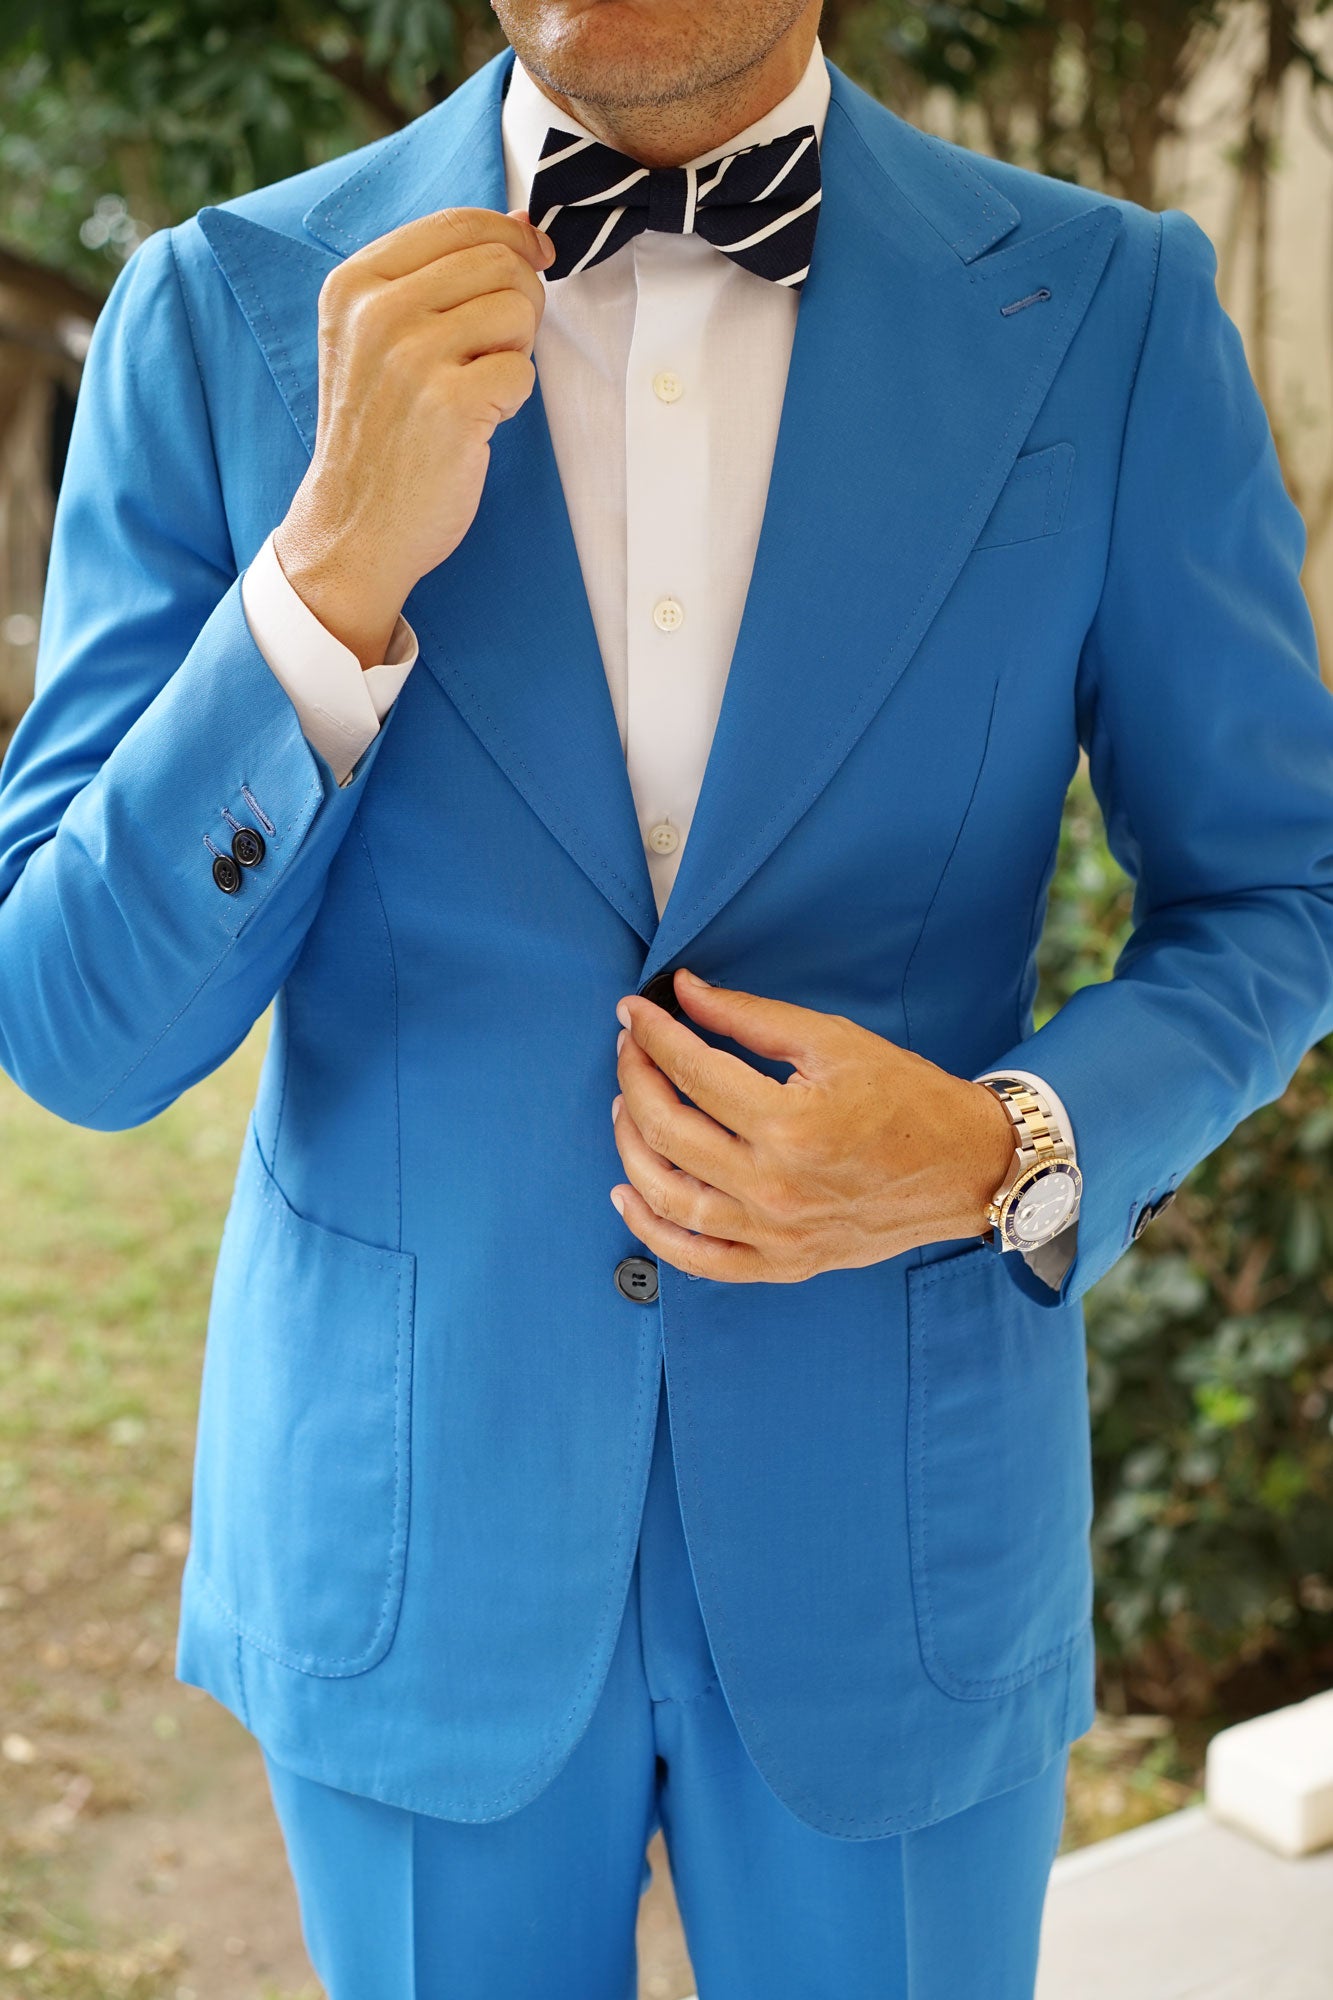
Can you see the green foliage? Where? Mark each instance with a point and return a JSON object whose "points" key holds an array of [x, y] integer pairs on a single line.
{"points": [[945, 43], [1211, 1371], [164, 105]]}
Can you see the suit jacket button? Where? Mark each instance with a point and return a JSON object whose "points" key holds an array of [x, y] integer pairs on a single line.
{"points": [[226, 874], [636, 1278], [247, 846], [661, 991], [1150, 1212]]}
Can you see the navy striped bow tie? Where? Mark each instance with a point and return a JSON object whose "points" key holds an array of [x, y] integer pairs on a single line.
{"points": [[759, 205]]}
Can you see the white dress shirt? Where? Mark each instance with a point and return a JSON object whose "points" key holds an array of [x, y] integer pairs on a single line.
{"points": [[662, 374]]}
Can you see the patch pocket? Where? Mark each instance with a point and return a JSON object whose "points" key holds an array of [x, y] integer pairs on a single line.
{"points": [[1032, 499], [999, 1479], [301, 1480]]}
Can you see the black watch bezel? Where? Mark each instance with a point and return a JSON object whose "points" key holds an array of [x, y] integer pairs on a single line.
{"points": [[1007, 1231]]}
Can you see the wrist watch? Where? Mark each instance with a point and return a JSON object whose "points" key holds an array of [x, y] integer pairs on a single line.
{"points": [[1039, 1196]]}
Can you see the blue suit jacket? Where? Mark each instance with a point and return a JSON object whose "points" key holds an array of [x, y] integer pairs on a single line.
{"points": [[1024, 498]]}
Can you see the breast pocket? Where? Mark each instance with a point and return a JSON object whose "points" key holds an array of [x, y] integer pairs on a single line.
{"points": [[999, 1477], [1033, 498], [301, 1483]]}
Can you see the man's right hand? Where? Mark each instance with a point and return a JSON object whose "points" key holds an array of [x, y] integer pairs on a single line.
{"points": [[425, 345]]}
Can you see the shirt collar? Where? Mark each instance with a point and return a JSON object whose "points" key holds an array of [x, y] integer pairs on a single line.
{"points": [[527, 113]]}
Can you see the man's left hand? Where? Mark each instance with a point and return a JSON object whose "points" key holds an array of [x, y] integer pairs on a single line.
{"points": [[864, 1151]]}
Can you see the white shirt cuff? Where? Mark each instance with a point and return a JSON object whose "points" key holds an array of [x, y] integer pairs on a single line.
{"points": [[340, 703]]}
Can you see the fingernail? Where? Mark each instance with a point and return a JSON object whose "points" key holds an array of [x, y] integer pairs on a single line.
{"points": [[693, 977], [622, 1014], [547, 245], [616, 1103], [617, 1203], [620, 1040]]}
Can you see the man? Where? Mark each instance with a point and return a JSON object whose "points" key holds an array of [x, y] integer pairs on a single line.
{"points": [[868, 478]]}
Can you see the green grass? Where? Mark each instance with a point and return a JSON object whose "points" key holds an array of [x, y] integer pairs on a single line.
{"points": [[109, 1241], [107, 1246]]}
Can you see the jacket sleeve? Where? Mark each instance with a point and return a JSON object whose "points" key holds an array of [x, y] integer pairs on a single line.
{"points": [[126, 972], [1209, 736]]}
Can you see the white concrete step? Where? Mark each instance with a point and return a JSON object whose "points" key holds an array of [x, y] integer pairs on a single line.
{"points": [[1273, 1777], [1187, 1908]]}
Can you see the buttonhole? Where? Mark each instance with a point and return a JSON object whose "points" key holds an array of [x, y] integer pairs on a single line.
{"points": [[1031, 300]]}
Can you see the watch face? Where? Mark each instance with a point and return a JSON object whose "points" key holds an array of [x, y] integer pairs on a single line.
{"points": [[1041, 1204]]}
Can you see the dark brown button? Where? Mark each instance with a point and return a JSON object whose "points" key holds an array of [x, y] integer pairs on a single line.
{"points": [[1150, 1211], [247, 846], [636, 1278], [226, 874], [661, 991]]}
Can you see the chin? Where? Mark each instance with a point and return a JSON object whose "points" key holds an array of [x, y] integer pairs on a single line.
{"points": [[626, 34]]}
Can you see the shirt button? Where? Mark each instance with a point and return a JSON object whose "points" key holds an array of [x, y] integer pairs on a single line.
{"points": [[636, 1278], [668, 614], [668, 387], [663, 838]]}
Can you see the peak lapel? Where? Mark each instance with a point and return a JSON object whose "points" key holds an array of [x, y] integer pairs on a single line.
{"points": [[504, 623], [908, 397]]}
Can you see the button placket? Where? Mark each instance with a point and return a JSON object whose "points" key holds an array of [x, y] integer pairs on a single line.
{"points": [[667, 447]]}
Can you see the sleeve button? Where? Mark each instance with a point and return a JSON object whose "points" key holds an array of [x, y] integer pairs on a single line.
{"points": [[226, 874], [247, 846]]}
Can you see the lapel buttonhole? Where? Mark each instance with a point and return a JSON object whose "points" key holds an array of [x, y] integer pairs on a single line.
{"points": [[1031, 300]]}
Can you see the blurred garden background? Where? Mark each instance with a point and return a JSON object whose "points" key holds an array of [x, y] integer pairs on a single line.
{"points": [[138, 1855]]}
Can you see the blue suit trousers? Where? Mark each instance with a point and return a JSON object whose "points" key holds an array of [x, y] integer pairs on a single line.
{"points": [[398, 1905]]}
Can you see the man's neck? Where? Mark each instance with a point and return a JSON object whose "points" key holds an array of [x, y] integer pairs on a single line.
{"points": [[668, 134]]}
